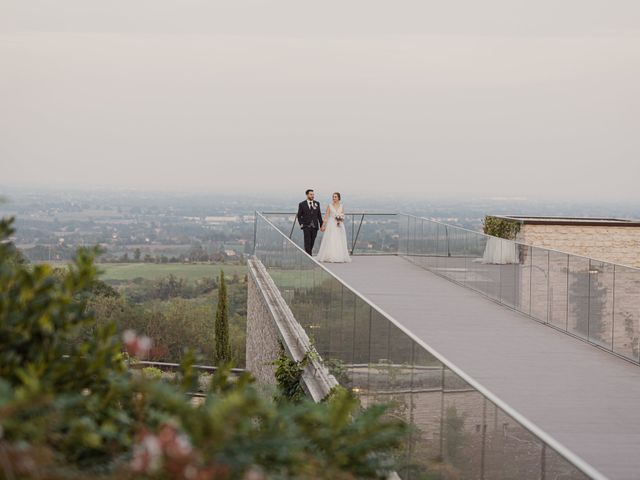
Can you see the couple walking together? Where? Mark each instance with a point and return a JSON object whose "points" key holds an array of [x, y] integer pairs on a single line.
{"points": [[334, 241]]}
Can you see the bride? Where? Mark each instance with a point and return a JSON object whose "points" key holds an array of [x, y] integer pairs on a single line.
{"points": [[334, 241]]}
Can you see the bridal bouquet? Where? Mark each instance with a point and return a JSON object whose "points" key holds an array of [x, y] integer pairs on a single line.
{"points": [[339, 218]]}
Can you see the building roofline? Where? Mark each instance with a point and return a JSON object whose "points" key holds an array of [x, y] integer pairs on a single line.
{"points": [[576, 221]]}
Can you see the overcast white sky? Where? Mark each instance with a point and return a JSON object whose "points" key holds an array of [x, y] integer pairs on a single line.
{"points": [[492, 97]]}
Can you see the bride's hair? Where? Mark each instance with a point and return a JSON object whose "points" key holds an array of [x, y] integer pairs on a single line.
{"points": [[338, 194]]}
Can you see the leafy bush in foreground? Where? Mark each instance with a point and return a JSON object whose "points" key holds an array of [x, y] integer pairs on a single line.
{"points": [[69, 407]]}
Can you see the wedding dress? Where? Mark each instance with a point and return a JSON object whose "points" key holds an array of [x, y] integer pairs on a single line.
{"points": [[334, 241]]}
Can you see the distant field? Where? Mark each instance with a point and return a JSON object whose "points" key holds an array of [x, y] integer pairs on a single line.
{"points": [[129, 271]]}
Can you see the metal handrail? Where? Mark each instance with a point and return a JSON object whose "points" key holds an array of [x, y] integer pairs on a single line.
{"points": [[352, 214], [355, 238], [348, 213], [176, 366], [447, 226], [563, 451]]}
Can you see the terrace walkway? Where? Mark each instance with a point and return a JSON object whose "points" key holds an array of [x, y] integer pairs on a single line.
{"points": [[585, 398]]}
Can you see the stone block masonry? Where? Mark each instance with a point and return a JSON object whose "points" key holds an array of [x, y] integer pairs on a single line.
{"points": [[615, 244], [270, 323], [262, 337]]}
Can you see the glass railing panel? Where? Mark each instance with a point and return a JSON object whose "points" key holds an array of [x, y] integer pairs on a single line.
{"points": [[422, 240], [379, 356], [556, 466], [359, 369], [539, 283], [342, 340], [400, 358], [461, 410], [298, 284], [405, 225], [334, 323], [493, 274], [509, 275], [403, 234], [287, 224], [550, 286], [578, 296], [429, 244], [411, 235], [349, 305], [456, 270], [465, 256], [626, 328], [442, 248], [316, 305], [476, 264], [558, 289], [601, 295], [399, 380], [373, 234], [523, 278], [485, 268], [320, 330], [458, 430], [426, 411], [511, 451]]}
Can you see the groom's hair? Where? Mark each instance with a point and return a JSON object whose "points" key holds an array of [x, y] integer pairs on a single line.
{"points": [[308, 190]]}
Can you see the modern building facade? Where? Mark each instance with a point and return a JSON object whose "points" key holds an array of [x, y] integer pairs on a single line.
{"points": [[612, 240]]}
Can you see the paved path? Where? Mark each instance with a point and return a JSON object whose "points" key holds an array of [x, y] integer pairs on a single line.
{"points": [[586, 398]]}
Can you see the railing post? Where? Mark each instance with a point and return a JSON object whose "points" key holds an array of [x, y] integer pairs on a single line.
{"points": [[255, 230], [446, 236], [408, 224], [293, 225], [353, 245]]}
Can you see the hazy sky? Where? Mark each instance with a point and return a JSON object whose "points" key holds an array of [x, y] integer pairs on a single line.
{"points": [[492, 97]]}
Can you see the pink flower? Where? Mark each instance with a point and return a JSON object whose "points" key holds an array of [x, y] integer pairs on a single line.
{"points": [[147, 455], [136, 346], [175, 444]]}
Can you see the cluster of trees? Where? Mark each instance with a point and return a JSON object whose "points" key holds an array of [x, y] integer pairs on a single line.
{"points": [[70, 408], [195, 255], [176, 314]]}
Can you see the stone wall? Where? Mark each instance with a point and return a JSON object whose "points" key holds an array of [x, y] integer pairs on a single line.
{"points": [[262, 336], [611, 244], [271, 323]]}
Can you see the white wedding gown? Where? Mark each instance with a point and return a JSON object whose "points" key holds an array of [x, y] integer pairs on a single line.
{"points": [[334, 247]]}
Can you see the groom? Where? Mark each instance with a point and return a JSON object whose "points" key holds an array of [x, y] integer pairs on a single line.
{"points": [[310, 220]]}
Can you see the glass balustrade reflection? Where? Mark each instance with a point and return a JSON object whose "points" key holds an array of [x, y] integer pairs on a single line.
{"points": [[593, 300], [457, 431]]}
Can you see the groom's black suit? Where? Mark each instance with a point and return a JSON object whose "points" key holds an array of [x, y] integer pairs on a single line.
{"points": [[310, 219]]}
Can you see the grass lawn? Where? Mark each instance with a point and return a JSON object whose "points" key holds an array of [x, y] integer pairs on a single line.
{"points": [[195, 271]]}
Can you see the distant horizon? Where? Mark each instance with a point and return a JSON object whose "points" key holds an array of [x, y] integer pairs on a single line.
{"points": [[289, 195]]}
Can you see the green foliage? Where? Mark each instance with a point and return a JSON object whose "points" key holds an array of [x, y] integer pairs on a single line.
{"points": [[175, 324], [336, 390], [222, 353], [289, 377], [69, 407], [501, 227], [152, 372], [338, 370], [45, 372], [153, 271], [454, 432]]}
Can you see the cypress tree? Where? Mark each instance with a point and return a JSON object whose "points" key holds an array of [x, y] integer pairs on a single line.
{"points": [[222, 354]]}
